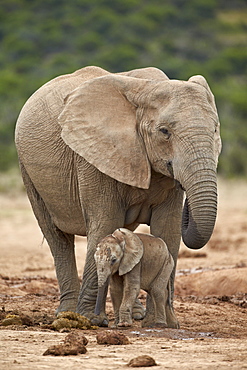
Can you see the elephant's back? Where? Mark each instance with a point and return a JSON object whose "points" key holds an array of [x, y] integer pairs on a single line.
{"points": [[48, 161]]}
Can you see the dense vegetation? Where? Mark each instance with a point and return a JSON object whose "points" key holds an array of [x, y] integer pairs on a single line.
{"points": [[42, 39]]}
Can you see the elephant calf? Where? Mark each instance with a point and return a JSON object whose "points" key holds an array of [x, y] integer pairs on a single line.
{"points": [[133, 262]]}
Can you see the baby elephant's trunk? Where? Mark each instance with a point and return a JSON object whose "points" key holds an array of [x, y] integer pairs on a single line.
{"points": [[101, 298]]}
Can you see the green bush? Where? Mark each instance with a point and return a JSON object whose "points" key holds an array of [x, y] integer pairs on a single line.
{"points": [[43, 39]]}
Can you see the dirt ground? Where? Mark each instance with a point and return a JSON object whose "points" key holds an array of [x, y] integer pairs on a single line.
{"points": [[210, 298]]}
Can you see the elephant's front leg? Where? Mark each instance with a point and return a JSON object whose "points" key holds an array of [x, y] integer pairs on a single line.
{"points": [[166, 224], [131, 289]]}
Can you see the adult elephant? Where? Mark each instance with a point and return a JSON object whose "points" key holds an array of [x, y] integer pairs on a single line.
{"points": [[99, 151]]}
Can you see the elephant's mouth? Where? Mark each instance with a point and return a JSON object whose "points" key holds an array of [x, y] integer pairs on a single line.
{"points": [[170, 168], [181, 186]]}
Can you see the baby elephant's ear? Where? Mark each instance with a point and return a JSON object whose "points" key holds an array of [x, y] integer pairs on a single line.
{"points": [[133, 251]]}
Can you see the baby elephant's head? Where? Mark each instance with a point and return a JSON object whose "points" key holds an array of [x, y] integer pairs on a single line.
{"points": [[120, 251], [108, 255]]}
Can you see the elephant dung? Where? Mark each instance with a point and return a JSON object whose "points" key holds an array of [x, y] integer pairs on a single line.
{"points": [[142, 361], [76, 337], [112, 337], [70, 320], [65, 349], [12, 320], [73, 344]]}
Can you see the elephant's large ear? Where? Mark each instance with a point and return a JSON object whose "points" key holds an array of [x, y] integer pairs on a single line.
{"points": [[200, 80], [99, 123], [132, 248]]}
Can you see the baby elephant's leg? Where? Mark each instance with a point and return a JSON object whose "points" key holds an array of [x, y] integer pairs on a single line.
{"points": [[131, 289], [116, 291], [160, 298], [149, 318], [161, 294], [126, 308], [156, 303]]}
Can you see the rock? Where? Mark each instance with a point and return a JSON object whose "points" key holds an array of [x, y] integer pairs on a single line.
{"points": [[112, 337], [142, 361]]}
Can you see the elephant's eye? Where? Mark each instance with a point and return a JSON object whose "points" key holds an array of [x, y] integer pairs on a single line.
{"points": [[113, 260], [165, 132]]}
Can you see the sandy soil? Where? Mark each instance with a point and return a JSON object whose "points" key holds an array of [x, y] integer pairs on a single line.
{"points": [[210, 300]]}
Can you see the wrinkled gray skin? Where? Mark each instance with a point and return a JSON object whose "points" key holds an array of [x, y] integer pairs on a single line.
{"points": [[134, 262], [99, 151]]}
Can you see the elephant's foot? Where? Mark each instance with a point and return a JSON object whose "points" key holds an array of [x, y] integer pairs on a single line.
{"points": [[98, 320], [160, 325], [173, 324], [172, 321], [148, 324], [138, 312], [124, 324], [86, 308], [67, 305], [148, 320]]}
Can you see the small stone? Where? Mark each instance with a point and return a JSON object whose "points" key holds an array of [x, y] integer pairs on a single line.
{"points": [[142, 361], [112, 337]]}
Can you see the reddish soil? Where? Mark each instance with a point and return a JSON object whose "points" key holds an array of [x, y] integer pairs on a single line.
{"points": [[210, 298]]}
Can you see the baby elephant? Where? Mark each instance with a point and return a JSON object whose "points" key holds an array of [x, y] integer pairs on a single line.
{"points": [[133, 262]]}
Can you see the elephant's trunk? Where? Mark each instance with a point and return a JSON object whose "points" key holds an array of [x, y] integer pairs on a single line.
{"points": [[200, 207], [101, 297]]}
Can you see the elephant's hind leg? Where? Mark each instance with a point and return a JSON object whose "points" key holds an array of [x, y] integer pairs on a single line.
{"points": [[161, 294], [156, 306], [61, 246], [139, 311], [149, 319]]}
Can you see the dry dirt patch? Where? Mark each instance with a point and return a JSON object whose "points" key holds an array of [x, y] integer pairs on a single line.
{"points": [[210, 301]]}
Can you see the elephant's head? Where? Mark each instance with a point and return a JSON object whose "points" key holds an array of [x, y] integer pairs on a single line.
{"points": [[120, 252], [126, 126]]}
